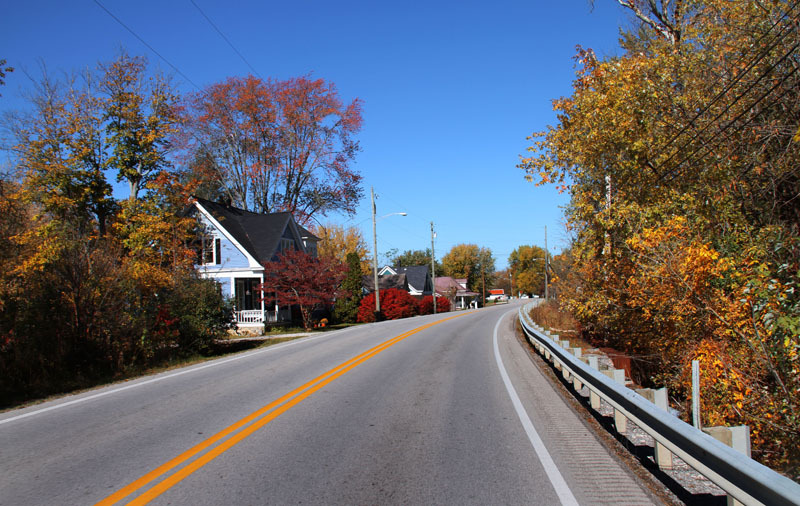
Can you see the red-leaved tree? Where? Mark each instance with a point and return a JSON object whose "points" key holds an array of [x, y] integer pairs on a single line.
{"points": [[395, 304], [272, 146], [425, 305], [297, 278]]}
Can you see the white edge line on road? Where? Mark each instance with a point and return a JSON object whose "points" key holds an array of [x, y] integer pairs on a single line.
{"points": [[165, 377], [556, 479]]}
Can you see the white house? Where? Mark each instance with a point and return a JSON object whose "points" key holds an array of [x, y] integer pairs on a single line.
{"points": [[234, 245]]}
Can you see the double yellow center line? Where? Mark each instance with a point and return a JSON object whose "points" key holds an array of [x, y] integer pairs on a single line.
{"points": [[242, 429]]}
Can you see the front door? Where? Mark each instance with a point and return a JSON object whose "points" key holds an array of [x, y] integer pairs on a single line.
{"points": [[246, 295]]}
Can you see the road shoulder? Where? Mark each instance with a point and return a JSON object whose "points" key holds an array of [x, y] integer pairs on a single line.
{"points": [[594, 474]]}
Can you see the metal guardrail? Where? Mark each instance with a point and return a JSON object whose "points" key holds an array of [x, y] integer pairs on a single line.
{"points": [[739, 476]]}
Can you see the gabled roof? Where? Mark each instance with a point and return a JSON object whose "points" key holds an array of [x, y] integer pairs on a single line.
{"points": [[259, 234], [385, 282], [417, 276], [306, 234]]}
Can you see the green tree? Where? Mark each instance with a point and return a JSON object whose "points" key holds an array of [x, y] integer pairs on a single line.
{"points": [[411, 258], [347, 303]]}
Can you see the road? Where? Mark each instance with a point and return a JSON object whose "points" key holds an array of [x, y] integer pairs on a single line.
{"points": [[415, 411]]}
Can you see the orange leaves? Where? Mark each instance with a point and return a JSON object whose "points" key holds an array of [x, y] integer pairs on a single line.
{"points": [[276, 145], [683, 206]]}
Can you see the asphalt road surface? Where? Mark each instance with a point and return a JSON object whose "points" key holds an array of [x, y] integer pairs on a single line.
{"points": [[445, 409]]}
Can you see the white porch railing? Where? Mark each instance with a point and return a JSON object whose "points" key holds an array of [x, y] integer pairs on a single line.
{"points": [[249, 316], [258, 316]]}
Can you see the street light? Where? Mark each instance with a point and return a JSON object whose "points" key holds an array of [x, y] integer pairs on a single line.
{"points": [[375, 253]]}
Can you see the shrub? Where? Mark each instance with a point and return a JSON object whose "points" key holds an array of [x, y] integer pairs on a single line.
{"points": [[425, 305], [395, 304], [199, 312]]}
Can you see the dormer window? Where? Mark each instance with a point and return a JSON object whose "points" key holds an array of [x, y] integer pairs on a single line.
{"points": [[286, 245], [212, 254]]}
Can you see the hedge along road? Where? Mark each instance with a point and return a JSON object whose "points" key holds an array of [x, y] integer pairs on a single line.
{"points": [[410, 411]]}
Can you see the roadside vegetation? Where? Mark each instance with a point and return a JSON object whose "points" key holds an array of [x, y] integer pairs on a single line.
{"points": [[680, 157], [94, 287]]}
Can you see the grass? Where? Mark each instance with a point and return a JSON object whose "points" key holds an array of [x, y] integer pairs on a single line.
{"points": [[550, 316]]}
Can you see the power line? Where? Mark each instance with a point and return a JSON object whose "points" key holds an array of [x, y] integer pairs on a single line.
{"points": [[733, 121], [151, 48], [706, 146], [771, 45], [225, 38]]}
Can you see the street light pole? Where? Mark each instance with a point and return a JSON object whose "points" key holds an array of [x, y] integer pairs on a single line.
{"points": [[375, 257], [375, 252], [433, 268]]}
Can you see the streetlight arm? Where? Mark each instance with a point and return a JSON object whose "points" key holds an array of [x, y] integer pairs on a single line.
{"points": [[376, 287]]}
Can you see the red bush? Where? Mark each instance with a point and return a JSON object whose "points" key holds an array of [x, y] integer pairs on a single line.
{"points": [[395, 304], [425, 306]]}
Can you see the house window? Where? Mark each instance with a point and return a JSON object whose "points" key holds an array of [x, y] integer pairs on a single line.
{"points": [[286, 245], [211, 250]]}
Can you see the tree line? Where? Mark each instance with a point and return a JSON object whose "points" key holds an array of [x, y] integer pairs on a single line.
{"points": [[680, 157], [94, 285]]}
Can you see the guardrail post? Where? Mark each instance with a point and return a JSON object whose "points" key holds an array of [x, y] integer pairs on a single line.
{"points": [[594, 399], [620, 422], [559, 366], [737, 437], [659, 397]]}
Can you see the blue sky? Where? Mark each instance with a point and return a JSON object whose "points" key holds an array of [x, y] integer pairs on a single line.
{"points": [[450, 90]]}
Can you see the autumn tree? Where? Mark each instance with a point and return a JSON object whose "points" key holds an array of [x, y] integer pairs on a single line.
{"points": [[273, 145], [338, 242], [297, 278], [680, 159], [469, 261], [60, 154], [4, 69], [113, 279], [141, 115], [526, 264]]}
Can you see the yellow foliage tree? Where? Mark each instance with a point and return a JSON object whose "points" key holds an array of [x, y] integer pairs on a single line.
{"points": [[338, 241], [683, 189]]}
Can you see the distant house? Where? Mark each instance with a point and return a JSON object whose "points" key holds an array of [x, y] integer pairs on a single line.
{"points": [[418, 276], [456, 291], [496, 293], [385, 282], [233, 246]]}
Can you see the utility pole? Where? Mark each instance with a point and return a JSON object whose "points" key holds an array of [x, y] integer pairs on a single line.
{"points": [[375, 257], [433, 268], [546, 260], [483, 282]]}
